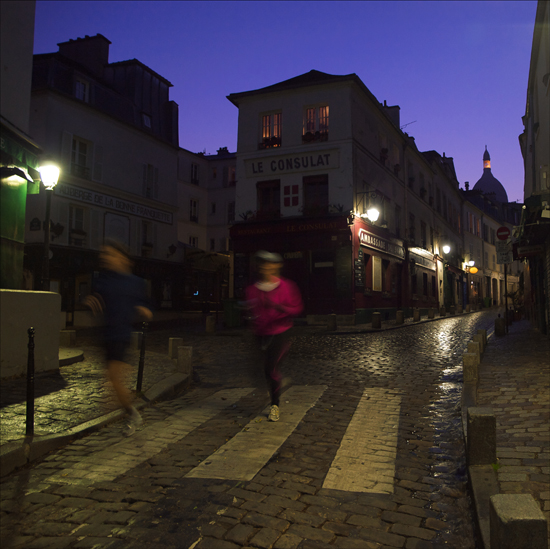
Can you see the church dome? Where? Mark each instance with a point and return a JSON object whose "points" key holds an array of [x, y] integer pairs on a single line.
{"points": [[488, 183]]}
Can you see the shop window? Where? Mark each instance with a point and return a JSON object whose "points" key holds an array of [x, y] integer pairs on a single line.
{"points": [[315, 194], [414, 284], [269, 199], [290, 194], [377, 277], [386, 281], [434, 287]]}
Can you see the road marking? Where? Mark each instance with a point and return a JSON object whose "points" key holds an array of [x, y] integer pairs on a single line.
{"points": [[249, 450], [106, 465], [365, 461]]}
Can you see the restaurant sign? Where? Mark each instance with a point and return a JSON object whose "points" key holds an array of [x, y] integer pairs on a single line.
{"points": [[277, 165], [378, 243]]}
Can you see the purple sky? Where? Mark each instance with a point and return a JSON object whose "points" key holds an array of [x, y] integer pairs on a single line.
{"points": [[458, 70]]}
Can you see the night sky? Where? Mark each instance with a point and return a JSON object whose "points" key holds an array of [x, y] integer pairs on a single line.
{"points": [[458, 70]]}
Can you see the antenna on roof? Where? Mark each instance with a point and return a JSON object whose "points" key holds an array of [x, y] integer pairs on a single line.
{"points": [[407, 124]]}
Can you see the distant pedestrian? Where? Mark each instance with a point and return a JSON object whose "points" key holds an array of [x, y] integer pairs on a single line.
{"points": [[120, 296], [272, 301]]}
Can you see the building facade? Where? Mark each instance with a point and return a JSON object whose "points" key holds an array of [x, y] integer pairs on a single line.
{"points": [[533, 244], [114, 132], [316, 155]]}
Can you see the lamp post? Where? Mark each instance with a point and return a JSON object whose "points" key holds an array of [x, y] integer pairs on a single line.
{"points": [[49, 174]]}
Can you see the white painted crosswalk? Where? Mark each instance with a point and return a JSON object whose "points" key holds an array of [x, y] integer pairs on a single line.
{"points": [[365, 461], [247, 452]]}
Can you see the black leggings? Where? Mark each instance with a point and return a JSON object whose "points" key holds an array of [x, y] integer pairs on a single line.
{"points": [[274, 348]]}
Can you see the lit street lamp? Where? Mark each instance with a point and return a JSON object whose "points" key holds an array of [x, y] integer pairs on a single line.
{"points": [[49, 174], [446, 249]]}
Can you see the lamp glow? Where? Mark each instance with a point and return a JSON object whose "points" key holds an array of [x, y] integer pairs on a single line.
{"points": [[49, 173], [372, 214], [471, 263], [473, 270], [446, 249]]}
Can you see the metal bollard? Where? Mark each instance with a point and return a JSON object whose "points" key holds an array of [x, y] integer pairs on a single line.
{"points": [[141, 358], [30, 385]]}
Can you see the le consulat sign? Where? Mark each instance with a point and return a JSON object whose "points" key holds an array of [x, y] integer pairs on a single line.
{"points": [[290, 163]]}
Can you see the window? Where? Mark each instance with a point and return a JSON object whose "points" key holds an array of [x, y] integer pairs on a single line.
{"points": [[150, 181], [412, 232], [231, 212], [80, 158], [269, 199], [82, 90], [291, 197], [193, 211], [423, 239], [397, 221], [77, 234], [315, 194], [485, 232], [315, 124], [194, 241], [431, 240], [272, 126], [194, 173], [493, 236], [434, 287], [494, 262], [232, 176]]}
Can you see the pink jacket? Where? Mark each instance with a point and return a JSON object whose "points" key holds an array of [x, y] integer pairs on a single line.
{"points": [[270, 321]]}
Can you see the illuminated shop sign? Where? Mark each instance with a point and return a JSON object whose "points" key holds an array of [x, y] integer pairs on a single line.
{"points": [[112, 202], [373, 241], [292, 163]]}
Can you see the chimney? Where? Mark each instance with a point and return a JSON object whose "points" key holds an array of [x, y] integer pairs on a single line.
{"points": [[90, 51], [392, 112], [467, 185]]}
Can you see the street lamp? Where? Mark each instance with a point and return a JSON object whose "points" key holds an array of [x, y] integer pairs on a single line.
{"points": [[49, 174], [372, 214], [446, 249]]}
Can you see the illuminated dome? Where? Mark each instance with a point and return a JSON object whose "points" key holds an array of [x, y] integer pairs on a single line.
{"points": [[488, 183]]}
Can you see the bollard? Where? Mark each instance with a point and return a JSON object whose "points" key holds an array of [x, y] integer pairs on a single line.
{"points": [[481, 442], [332, 323], [516, 522], [479, 339], [500, 327], [136, 340], [431, 313], [376, 321], [459, 310], [468, 308], [442, 311], [452, 310], [399, 318], [30, 385], [483, 333], [470, 367], [185, 358], [173, 344], [210, 324], [474, 347], [416, 315], [141, 358]]}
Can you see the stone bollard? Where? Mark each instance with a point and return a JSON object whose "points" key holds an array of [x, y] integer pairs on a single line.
{"points": [[470, 367], [479, 339], [516, 522], [442, 311], [332, 323], [468, 308], [135, 342], [173, 344], [376, 321], [459, 310], [431, 313], [416, 315], [475, 348], [210, 324], [484, 334], [500, 327], [453, 310], [67, 338], [399, 317], [185, 358], [481, 442]]}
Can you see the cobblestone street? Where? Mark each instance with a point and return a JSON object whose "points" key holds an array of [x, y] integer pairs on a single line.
{"points": [[368, 453]]}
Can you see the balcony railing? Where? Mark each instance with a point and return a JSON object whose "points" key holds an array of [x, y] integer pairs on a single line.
{"points": [[269, 142], [311, 137]]}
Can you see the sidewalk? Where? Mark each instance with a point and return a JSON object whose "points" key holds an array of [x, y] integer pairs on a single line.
{"points": [[514, 380]]}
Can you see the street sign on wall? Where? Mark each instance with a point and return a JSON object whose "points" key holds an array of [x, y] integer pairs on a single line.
{"points": [[503, 233]]}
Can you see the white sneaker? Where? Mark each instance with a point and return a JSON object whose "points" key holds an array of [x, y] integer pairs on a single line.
{"points": [[274, 413], [134, 421]]}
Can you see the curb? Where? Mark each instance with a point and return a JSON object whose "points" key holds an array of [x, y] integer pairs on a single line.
{"points": [[14, 455]]}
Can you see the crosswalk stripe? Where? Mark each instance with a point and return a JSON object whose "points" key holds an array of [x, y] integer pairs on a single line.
{"points": [[106, 465], [365, 461], [247, 452]]}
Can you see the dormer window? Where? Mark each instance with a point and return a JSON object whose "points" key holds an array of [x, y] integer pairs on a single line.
{"points": [[272, 129], [315, 124], [82, 90]]}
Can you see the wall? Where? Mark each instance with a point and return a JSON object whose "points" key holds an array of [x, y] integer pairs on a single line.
{"points": [[39, 310]]}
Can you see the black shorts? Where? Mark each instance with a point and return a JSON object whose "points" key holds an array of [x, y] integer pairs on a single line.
{"points": [[116, 350]]}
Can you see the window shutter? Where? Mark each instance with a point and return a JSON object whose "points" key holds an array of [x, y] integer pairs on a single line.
{"points": [[66, 148], [95, 230], [98, 163]]}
